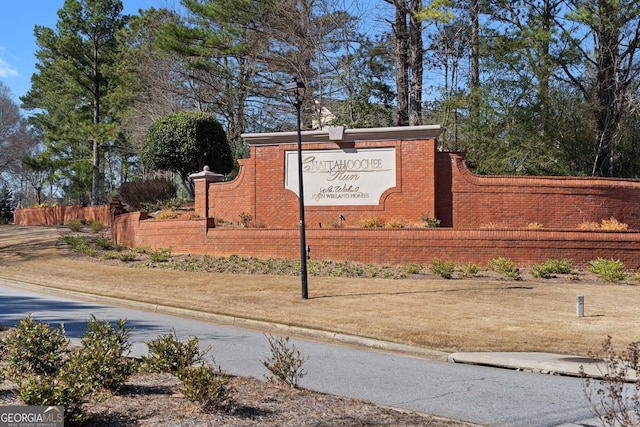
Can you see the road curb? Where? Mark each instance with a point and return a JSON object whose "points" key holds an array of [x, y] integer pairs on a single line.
{"points": [[240, 322]]}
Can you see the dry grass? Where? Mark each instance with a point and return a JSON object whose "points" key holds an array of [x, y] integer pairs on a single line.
{"points": [[484, 313]]}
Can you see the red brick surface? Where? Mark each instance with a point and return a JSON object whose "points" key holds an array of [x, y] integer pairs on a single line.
{"points": [[427, 182]]}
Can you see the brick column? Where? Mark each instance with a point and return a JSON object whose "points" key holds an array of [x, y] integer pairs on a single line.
{"points": [[201, 182]]}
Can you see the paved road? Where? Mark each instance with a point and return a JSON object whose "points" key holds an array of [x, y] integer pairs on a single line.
{"points": [[482, 395]]}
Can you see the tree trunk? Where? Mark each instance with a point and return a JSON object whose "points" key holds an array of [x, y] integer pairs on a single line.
{"points": [[415, 38], [402, 62], [607, 106]]}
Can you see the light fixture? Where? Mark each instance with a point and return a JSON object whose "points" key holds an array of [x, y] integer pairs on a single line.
{"points": [[297, 88]]}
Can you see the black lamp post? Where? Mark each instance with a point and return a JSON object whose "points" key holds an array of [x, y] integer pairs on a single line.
{"points": [[297, 89]]}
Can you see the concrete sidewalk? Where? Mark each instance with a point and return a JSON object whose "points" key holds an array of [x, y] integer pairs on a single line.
{"points": [[543, 363]]}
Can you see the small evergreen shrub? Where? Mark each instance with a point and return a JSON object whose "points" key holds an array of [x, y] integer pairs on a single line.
{"points": [[285, 362], [468, 270], [127, 256], [551, 267], [207, 386], [430, 221], [106, 243], [74, 225], [160, 255], [168, 354], [105, 354], [444, 269], [505, 267], [95, 225], [610, 270], [35, 349], [412, 268], [65, 389]]}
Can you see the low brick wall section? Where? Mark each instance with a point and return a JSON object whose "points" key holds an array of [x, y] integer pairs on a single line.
{"points": [[61, 215], [383, 246]]}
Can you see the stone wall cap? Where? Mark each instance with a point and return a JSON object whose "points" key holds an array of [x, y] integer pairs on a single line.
{"points": [[207, 175], [342, 134]]}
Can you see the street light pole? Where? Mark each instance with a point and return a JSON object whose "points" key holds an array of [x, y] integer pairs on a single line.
{"points": [[296, 87]]}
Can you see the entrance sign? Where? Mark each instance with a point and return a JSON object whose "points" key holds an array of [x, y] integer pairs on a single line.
{"points": [[342, 177]]}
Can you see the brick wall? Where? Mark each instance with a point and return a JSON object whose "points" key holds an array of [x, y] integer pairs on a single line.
{"points": [[60, 215], [383, 246], [470, 201], [427, 182], [260, 188]]}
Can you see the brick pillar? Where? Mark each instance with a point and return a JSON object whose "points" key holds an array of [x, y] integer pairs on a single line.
{"points": [[201, 182]]}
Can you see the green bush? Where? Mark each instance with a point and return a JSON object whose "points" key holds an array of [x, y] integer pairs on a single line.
{"points": [[412, 268], [168, 354], [505, 267], [95, 225], [285, 362], [35, 348], [160, 255], [127, 256], [74, 225], [444, 269], [468, 270], [106, 243], [105, 354], [551, 267], [65, 389], [610, 270], [207, 386], [429, 221]]}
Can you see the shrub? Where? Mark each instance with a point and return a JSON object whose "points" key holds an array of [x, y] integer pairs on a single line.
{"points": [[610, 270], [207, 386], [35, 349], [106, 243], [154, 191], [443, 269], [468, 270], [551, 267], [105, 354], [245, 218], [168, 354], [588, 225], [505, 267], [534, 226], [412, 268], [394, 223], [127, 256], [168, 214], [74, 225], [429, 221], [285, 362], [492, 226], [160, 255], [613, 224], [95, 225], [613, 399], [65, 389], [371, 222]]}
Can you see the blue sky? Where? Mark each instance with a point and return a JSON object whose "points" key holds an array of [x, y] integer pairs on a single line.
{"points": [[18, 45]]}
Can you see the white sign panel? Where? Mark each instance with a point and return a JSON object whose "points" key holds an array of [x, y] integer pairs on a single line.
{"points": [[342, 177]]}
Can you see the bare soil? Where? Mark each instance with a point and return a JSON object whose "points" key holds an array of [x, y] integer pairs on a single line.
{"points": [[483, 313]]}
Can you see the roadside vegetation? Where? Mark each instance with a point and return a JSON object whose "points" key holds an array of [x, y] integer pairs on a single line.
{"points": [[100, 247], [45, 368]]}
